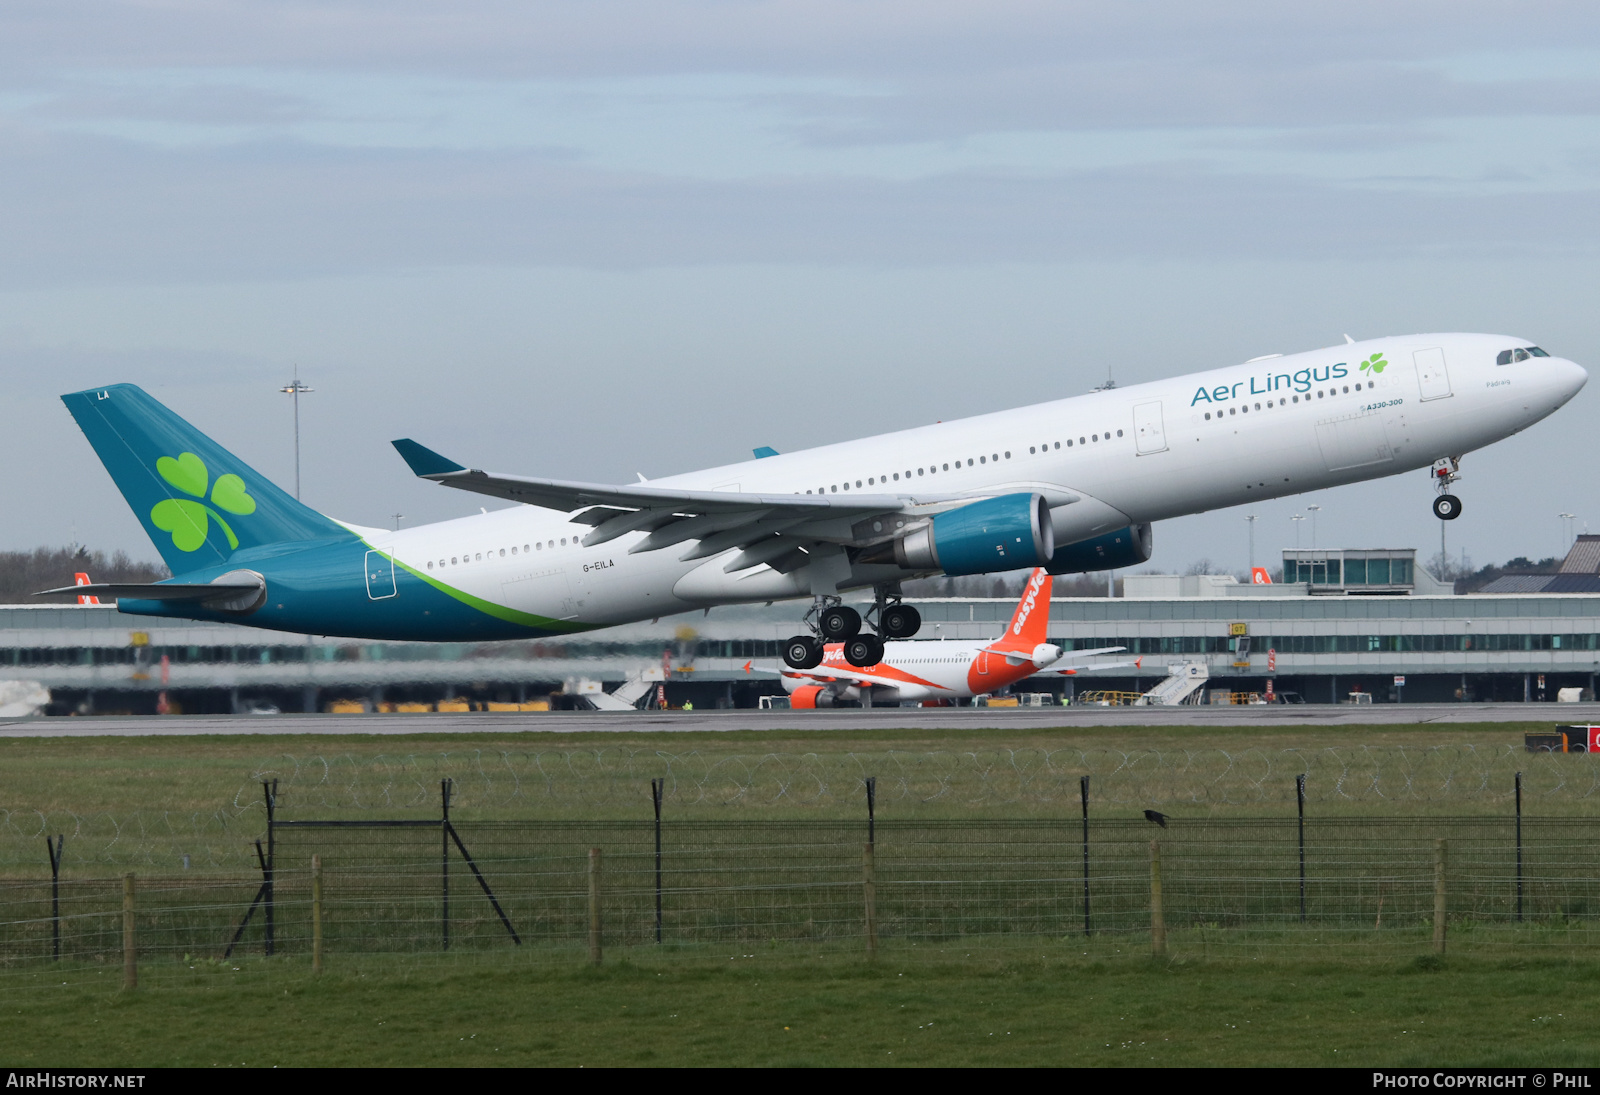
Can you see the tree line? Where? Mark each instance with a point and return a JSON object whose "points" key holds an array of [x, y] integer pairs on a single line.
{"points": [[24, 573]]}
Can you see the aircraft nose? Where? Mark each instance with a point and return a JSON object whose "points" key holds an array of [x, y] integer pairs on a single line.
{"points": [[1573, 378]]}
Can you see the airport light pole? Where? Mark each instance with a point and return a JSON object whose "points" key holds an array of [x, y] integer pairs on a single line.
{"points": [[294, 389], [1250, 518], [1566, 532], [1297, 518], [1313, 511]]}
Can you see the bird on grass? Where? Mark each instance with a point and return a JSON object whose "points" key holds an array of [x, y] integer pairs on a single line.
{"points": [[1156, 816]]}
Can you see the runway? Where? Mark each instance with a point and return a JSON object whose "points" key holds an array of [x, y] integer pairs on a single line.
{"points": [[889, 718]]}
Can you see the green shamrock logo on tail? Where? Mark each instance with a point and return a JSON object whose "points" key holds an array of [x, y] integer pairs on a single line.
{"points": [[189, 521], [1374, 364]]}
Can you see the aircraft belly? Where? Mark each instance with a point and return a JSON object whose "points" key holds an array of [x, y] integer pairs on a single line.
{"points": [[1358, 440], [1085, 518], [708, 583], [543, 591]]}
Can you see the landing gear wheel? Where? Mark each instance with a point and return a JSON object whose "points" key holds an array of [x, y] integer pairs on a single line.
{"points": [[1447, 507], [899, 622], [864, 650], [802, 652], [838, 623]]}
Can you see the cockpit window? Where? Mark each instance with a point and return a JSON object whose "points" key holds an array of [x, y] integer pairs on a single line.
{"points": [[1506, 357]]}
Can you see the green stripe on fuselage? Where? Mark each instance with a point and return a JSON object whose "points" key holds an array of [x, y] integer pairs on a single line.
{"points": [[489, 608]]}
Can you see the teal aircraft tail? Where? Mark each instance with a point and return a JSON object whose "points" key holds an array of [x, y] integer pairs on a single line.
{"points": [[199, 503]]}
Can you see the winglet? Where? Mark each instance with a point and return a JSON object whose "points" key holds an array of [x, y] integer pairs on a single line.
{"points": [[424, 461], [764, 451]]}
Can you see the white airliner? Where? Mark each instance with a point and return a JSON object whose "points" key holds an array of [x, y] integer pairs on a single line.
{"points": [[935, 671], [1071, 485]]}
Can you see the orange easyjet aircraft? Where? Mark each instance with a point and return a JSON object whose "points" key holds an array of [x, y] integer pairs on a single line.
{"points": [[946, 669]]}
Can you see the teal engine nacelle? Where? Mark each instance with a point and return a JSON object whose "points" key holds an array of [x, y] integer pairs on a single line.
{"points": [[1005, 533], [1110, 551]]}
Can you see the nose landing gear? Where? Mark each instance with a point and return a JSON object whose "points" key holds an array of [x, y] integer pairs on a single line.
{"points": [[1446, 507]]}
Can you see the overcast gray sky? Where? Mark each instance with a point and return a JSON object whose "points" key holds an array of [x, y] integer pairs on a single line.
{"points": [[588, 239]]}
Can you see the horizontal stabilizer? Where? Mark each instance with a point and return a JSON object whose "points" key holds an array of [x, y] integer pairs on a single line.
{"points": [[160, 591], [423, 460]]}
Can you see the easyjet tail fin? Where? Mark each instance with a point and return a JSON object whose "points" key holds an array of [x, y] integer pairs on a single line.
{"points": [[1032, 617], [82, 579]]}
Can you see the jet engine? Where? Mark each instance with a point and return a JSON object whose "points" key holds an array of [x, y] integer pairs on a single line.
{"points": [[1005, 533], [810, 696], [1110, 551]]}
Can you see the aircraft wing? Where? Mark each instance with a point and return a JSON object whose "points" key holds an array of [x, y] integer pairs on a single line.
{"points": [[771, 528], [832, 673]]}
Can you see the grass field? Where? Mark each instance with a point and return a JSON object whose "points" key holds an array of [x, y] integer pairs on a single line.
{"points": [[1464, 768], [1016, 1008], [1246, 983]]}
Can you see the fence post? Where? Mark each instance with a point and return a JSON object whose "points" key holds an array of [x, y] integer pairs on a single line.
{"points": [[1158, 922], [55, 894], [444, 862], [1083, 791], [1300, 801], [657, 789], [316, 914], [869, 892], [1438, 895], [594, 905], [269, 890], [130, 959], [872, 802], [1519, 847]]}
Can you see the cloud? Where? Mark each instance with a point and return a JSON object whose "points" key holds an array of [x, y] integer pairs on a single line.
{"points": [[513, 38], [274, 211]]}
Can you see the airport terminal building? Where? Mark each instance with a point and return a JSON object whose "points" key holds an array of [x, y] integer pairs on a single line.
{"points": [[1344, 624]]}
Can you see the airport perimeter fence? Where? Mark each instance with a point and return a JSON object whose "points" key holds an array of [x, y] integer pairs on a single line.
{"points": [[566, 785], [612, 781], [578, 890]]}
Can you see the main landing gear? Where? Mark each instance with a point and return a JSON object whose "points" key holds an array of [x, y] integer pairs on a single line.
{"points": [[1446, 507], [832, 621]]}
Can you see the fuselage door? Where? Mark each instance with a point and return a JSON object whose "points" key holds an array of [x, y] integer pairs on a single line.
{"points": [[1149, 436], [1432, 376], [380, 576]]}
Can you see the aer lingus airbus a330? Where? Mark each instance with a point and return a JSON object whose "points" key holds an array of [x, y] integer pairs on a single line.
{"points": [[1071, 485]]}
